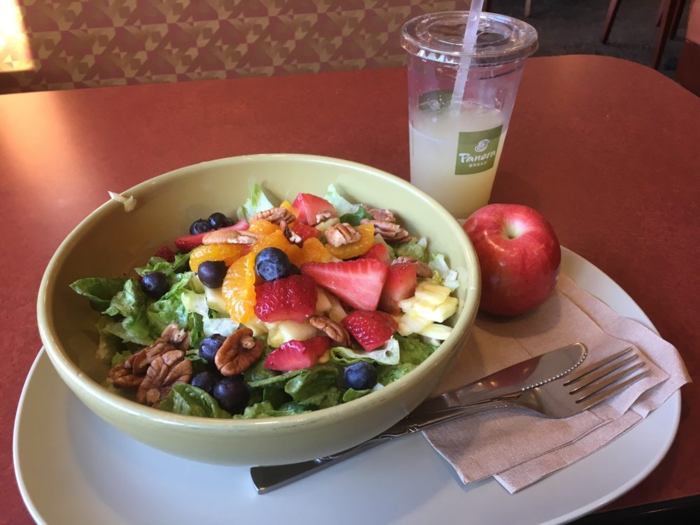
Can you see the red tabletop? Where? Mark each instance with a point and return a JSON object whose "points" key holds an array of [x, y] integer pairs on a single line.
{"points": [[606, 149]]}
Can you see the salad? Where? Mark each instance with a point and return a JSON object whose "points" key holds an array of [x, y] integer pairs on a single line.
{"points": [[291, 308]]}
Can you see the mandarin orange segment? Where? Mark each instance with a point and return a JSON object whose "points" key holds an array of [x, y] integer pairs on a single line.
{"points": [[289, 207], [314, 251], [278, 240], [238, 289], [216, 252], [348, 251], [263, 227]]}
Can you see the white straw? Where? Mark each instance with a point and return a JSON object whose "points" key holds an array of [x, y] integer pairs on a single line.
{"points": [[467, 50]]}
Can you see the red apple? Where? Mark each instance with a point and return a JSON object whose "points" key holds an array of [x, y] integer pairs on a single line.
{"points": [[519, 256]]}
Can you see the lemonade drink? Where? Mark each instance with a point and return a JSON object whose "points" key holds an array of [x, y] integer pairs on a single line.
{"points": [[454, 157], [456, 145]]}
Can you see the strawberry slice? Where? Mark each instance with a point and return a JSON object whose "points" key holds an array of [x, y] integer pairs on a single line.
{"points": [[357, 282], [294, 355], [379, 252], [305, 231], [310, 207], [400, 284], [190, 242], [288, 299], [370, 329], [165, 253]]}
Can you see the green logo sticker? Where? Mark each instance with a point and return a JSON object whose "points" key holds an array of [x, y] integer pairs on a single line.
{"points": [[476, 150]]}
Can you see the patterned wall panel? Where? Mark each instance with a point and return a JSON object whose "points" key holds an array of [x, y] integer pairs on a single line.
{"points": [[90, 43]]}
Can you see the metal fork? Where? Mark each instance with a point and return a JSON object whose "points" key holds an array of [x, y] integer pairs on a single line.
{"points": [[563, 397]]}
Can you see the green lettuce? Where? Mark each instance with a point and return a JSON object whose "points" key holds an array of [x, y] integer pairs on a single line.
{"points": [[276, 396], [120, 358], [275, 380], [389, 374], [378, 239], [414, 350], [306, 387], [341, 205], [356, 217], [131, 304], [109, 344], [192, 401], [417, 249], [170, 308], [351, 394], [158, 264], [328, 397], [265, 409], [98, 290], [442, 274], [387, 354], [257, 201]]}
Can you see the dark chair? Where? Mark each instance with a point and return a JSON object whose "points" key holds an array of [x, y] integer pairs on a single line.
{"points": [[688, 72], [668, 18]]}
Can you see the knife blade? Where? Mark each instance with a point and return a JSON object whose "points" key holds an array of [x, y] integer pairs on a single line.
{"points": [[516, 378]]}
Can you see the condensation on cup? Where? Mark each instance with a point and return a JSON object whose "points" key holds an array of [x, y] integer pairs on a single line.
{"points": [[455, 150]]}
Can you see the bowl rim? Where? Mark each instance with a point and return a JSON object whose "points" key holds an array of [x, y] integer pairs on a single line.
{"points": [[71, 373]]}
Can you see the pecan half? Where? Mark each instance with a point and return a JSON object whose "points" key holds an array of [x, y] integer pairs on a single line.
{"points": [[165, 371], [140, 361], [274, 215], [230, 237], [176, 337], [379, 214], [290, 235], [341, 234], [422, 269], [239, 351], [124, 378], [324, 216], [335, 331], [391, 232]]}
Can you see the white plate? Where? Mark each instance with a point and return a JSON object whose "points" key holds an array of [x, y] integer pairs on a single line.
{"points": [[74, 468]]}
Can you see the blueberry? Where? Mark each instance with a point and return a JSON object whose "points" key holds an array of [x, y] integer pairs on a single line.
{"points": [[232, 394], [212, 273], [155, 284], [272, 264], [199, 226], [219, 220], [209, 346], [360, 376], [205, 380]]}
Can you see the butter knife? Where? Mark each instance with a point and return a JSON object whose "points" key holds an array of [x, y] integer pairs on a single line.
{"points": [[474, 397]]}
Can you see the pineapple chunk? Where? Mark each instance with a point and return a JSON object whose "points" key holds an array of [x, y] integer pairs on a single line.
{"points": [[256, 325], [432, 293], [407, 304], [282, 331], [436, 331], [215, 300], [411, 323], [438, 313], [323, 226], [336, 312], [323, 304]]}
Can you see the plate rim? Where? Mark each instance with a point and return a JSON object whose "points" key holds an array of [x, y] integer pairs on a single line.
{"points": [[674, 400]]}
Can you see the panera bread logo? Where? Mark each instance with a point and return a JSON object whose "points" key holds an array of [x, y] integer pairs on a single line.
{"points": [[476, 150]]}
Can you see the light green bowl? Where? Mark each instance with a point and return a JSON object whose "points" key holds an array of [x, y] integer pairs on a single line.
{"points": [[110, 242]]}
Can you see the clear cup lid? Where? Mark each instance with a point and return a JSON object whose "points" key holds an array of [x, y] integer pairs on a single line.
{"points": [[438, 37]]}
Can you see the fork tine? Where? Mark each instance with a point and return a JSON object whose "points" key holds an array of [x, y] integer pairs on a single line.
{"points": [[603, 372], [580, 375], [613, 384]]}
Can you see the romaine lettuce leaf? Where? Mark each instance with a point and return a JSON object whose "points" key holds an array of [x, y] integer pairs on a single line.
{"points": [[276, 396], [351, 394], [312, 382], [130, 303], [328, 397], [223, 326], [169, 308], [417, 249], [442, 274], [389, 374], [387, 354], [341, 205], [157, 264], [109, 344], [120, 357], [257, 201], [98, 290], [259, 376], [265, 409], [192, 401], [414, 350]]}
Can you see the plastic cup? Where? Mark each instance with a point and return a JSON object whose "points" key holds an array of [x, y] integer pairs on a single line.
{"points": [[455, 150]]}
